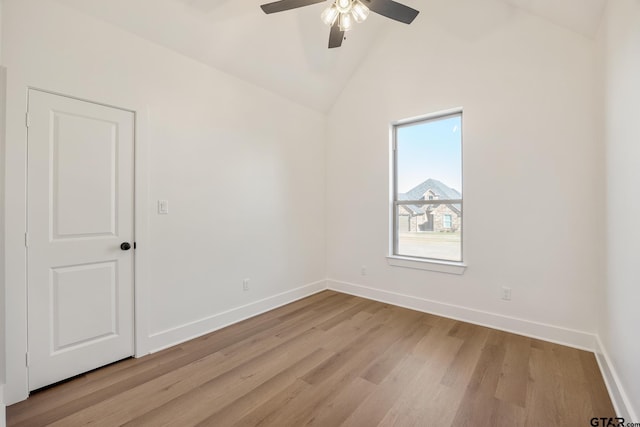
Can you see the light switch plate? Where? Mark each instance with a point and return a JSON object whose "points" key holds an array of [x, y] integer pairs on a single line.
{"points": [[163, 207]]}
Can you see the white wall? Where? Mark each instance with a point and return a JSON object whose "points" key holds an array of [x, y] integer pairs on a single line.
{"points": [[532, 168], [618, 329], [242, 168], [2, 301]]}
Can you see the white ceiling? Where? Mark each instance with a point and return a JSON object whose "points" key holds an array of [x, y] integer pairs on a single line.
{"points": [[285, 52], [581, 16]]}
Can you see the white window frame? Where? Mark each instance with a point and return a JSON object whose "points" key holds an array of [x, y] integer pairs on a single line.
{"points": [[431, 264], [447, 219]]}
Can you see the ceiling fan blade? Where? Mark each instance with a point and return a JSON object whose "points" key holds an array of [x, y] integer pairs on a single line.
{"points": [[393, 10], [335, 36], [282, 5]]}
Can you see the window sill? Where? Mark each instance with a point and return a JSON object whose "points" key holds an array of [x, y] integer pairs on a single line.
{"points": [[429, 265]]}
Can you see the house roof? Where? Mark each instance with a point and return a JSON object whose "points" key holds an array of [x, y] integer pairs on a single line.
{"points": [[441, 190]]}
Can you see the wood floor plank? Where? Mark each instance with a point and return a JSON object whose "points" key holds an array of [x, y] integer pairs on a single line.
{"points": [[575, 401], [335, 359], [210, 397], [332, 377], [339, 406], [514, 376], [542, 404], [479, 405], [345, 315], [460, 370], [424, 400], [169, 386], [64, 393], [261, 415], [509, 414], [240, 407], [376, 406], [597, 390], [431, 406], [388, 360], [163, 388], [257, 349]]}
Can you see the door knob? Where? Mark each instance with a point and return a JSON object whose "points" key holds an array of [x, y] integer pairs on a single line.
{"points": [[125, 246]]}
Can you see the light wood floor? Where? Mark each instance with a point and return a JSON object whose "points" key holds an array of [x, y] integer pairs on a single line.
{"points": [[333, 359]]}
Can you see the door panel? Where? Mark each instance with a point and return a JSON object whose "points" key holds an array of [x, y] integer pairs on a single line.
{"points": [[92, 181], [80, 209], [96, 318]]}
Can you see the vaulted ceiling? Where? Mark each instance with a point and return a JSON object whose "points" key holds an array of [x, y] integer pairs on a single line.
{"points": [[287, 52]]}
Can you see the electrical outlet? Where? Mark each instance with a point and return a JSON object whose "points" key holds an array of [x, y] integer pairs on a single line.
{"points": [[363, 270], [506, 293], [245, 285], [163, 207]]}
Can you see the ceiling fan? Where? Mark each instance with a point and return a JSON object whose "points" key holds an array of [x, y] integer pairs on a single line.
{"points": [[341, 14]]}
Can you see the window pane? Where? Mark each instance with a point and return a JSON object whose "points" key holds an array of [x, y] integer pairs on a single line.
{"points": [[429, 231], [428, 162], [430, 151]]}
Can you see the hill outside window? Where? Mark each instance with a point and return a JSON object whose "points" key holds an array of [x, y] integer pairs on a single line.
{"points": [[427, 188]]}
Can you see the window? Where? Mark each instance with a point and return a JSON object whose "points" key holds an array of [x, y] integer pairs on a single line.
{"points": [[446, 223], [427, 160]]}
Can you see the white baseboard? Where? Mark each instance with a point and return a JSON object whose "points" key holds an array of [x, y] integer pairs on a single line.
{"points": [[620, 399], [3, 408], [169, 338], [556, 334]]}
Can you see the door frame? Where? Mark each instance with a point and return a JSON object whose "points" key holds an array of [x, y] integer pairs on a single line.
{"points": [[17, 385]]}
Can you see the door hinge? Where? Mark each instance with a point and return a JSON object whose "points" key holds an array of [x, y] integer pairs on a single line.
{"points": [[135, 245], [26, 358], [26, 240], [27, 120]]}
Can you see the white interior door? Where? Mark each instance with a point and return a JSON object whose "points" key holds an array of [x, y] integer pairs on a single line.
{"points": [[80, 211]]}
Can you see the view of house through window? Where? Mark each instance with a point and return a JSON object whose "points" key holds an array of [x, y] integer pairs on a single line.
{"points": [[427, 203]]}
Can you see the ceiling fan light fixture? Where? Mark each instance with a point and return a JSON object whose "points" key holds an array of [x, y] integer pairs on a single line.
{"points": [[329, 15], [346, 21], [344, 6], [359, 11]]}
